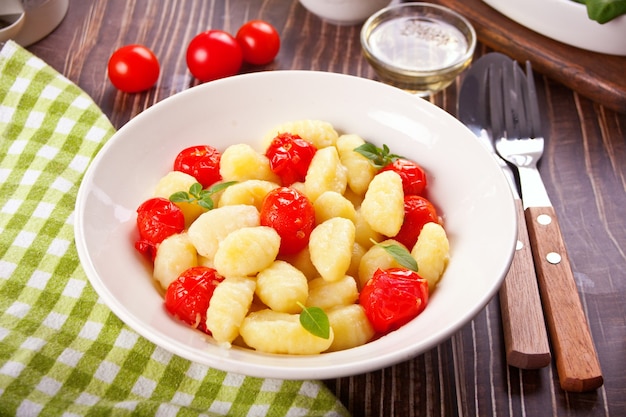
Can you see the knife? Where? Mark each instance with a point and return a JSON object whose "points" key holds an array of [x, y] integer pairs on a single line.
{"points": [[577, 361], [525, 335]]}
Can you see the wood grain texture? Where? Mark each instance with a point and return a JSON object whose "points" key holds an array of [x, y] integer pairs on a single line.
{"points": [[584, 168], [523, 324], [576, 357]]}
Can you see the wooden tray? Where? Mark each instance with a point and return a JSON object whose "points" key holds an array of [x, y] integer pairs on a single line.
{"points": [[600, 77]]}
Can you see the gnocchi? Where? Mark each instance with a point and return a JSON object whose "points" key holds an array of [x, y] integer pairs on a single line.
{"points": [[383, 205], [282, 287], [175, 255], [275, 332], [330, 246], [259, 302], [228, 308], [432, 253], [247, 251]]}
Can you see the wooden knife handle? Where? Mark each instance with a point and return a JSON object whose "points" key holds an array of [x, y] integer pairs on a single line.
{"points": [[525, 335], [577, 361]]}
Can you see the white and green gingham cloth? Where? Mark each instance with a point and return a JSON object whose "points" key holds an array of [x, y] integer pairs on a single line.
{"points": [[62, 351]]}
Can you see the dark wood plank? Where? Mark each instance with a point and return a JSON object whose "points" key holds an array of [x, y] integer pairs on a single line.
{"points": [[597, 76], [584, 168]]}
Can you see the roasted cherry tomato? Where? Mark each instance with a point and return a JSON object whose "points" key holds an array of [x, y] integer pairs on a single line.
{"points": [[133, 68], [417, 212], [290, 157], [188, 297], [214, 54], [201, 162], [157, 218], [393, 297], [259, 42], [292, 215], [413, 176]]}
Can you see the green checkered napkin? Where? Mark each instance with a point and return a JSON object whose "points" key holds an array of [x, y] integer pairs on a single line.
{"points": [[62, 351]]}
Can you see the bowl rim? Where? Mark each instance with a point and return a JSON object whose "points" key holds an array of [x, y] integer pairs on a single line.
{"points": [[372, 22]]}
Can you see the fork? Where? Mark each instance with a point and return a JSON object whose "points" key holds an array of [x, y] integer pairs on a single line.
{"points": [[522, 145]]}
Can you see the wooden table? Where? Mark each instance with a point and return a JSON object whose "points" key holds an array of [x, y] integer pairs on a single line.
{"points": [[584, 167]]}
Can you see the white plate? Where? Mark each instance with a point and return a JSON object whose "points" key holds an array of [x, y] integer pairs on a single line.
{"points": [[465, 183], [567, 22]]}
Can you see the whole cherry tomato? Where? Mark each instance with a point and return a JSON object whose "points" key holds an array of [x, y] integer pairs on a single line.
{"points": [[201, 162], [157, 218], [188, 297], [393, 297], [290, 157], [214, 54], [292, 215], [417, 212], [133, 68], [413, 176], [259, 41]]}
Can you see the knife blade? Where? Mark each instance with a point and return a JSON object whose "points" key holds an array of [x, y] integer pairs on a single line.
{"points": [[525, 335]]}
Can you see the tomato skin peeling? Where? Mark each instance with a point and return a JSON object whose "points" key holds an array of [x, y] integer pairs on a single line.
{"points": [[188, 297], [292, 215], [393, 297], [290, 157], [157, 219]]}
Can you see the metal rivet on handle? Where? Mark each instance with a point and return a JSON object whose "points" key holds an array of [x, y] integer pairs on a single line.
{"points": [[544, 219], [520, 245], [553, 257]]}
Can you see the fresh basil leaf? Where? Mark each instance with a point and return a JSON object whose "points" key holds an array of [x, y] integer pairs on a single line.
{"points": [[219, 187], [603, 11], [180, 197], [401, 255], [195, 189], [315, 321], [377, 156], [206, 203]]}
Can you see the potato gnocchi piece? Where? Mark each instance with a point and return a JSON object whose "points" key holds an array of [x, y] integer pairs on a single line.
{"points": [[274, 332], [214, 225], [176, 181], [377, 257], [175, 255], [326, 295], [241, 162], [228, 308], [325, 174], [355, 261], [298, 186], [247, 251], [364, 234], [332, 204], [432, 253], [249, 192], [353, 197], [330, 246], [302, 261], [281, 287], [383, 205], [321, 134], [360, 169], [350, 326]]}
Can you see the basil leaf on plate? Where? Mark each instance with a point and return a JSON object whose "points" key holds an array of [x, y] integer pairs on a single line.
{"points": [[603, 11]]}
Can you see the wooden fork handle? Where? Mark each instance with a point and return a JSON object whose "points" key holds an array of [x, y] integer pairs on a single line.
{"points": [[523, 323], [577, 361]]}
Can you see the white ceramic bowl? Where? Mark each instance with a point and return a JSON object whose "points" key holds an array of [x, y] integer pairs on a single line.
{"points": [[344, 12], [567, 22], [465, 183]]}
